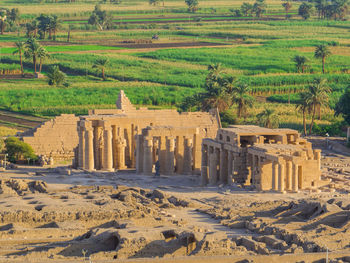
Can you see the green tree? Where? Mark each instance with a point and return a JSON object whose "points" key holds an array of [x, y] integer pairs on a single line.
{"points": [[18, 150], [13, 15], [300, 63], [343, 105], [247, 9], [192, 5], [317, 96], [154, 2], [42, 55], [305, 10], [32, 50], [259, 7], [56, 77], [268, 118], [20, 49], [287, 6], [101, 64], [322, 52], [100, 18], [32, 28], [54, 24], [304, 106], [44, 25], [321, 6], [242, 99], [3, 20]]}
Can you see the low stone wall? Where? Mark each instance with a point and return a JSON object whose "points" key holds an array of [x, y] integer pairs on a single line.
{"points": [[57, 137]]}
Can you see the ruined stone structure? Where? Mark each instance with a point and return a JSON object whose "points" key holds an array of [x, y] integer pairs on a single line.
{"points": [[55, 138], [178, 149], [269, 159], [111, 139]]}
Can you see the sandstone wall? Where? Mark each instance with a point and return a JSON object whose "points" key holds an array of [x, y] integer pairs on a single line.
{"points": [[57, 137]]}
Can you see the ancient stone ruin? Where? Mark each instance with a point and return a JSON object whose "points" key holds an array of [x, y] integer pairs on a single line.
{"points": [[130, 137], [55, 138], [269, 159]]}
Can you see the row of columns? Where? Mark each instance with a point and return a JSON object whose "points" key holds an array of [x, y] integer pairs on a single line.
{"points": [[286, 176], [169, 151], [218, 165], [106, 156]]}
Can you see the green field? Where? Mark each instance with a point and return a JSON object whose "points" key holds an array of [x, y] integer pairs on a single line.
{"points": [[256, 51]]}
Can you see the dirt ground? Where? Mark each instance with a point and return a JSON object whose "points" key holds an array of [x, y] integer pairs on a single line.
{"points": [[62, 215]]}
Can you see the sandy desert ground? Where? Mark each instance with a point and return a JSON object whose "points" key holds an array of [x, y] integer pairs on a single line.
{"points": [[64, 215]]}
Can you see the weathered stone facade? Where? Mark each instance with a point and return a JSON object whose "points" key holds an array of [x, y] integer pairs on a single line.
{"points": [[269, 159], [108, 139], [55, 138]]}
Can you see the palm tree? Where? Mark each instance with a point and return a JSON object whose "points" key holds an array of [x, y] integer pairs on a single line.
{"points": [[317, 96], [322, 52], [242, 99], [42, 55], [55, 76], [305, 107], [32, 50], [300, 63], [20, 49], [54, 25], [101, 64], [268, 119]]}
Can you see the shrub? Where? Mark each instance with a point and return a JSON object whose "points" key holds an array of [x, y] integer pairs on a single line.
{"points": [[227, 118], [18, 150]]}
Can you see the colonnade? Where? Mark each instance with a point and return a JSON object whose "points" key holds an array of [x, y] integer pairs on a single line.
{"points": [[101, 148], [174, 153]]}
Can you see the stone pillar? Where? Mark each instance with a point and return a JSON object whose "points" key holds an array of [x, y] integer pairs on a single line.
{"points": [[81, 148], [139, 153], [204, 170], [179, 154], [213, 169], [147, 156], [108, 152], [275, 176], [162, 155], [229, 167], [223, 166], [187, 162], [289, 172], [295, 183], [281, 177], [197, 153], [89, 149], [170, 155], [121, 145], [317, 154]]}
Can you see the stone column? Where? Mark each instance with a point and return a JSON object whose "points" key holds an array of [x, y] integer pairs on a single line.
{"points": [[179, 154], [289, 172], [213, 163], [162, 155], [187, 162], [89, 149], [275, 176], [81, 148], [147, 156], [223, 166], [139, 153], [170, 155], [121, 145], [317, 154], [295, 183], [197, 153], [281, 177], [204, 170], [108, 152], [229, 167]]}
